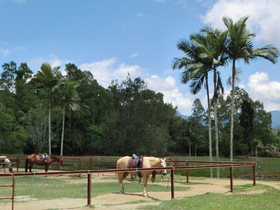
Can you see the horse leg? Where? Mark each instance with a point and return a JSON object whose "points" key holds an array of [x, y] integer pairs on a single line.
{"points": [[30, 167], [121, 188], [145, 181], [26, 165], [10, 168], [46, 168], [121, 177]]}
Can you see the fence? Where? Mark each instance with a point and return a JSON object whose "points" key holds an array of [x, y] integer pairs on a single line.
{"points": [[13, 191], [229, 165], [71, 162]]}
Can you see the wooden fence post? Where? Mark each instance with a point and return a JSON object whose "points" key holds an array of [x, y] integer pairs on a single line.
{"points": [[89, 190], [172, 183], [187, 172], [254, 175], [231, 181]]}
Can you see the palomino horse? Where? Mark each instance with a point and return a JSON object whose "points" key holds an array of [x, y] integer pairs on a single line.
{"points": [[4, 161], [147, 162], [40, 161]]}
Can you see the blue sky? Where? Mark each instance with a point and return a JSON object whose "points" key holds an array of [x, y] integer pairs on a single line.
{"points": [[112, 38]]}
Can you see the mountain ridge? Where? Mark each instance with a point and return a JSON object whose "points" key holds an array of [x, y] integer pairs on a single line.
{"points": [[275, 117]]}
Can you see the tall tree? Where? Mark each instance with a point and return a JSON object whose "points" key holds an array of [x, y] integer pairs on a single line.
{"points": [[196, 129], [25, 98], [47, 79], [37, 130], [68, 100], [196, 70], [214, 50], [239, 46], [8, 76], [139, 121], [204, 55], [247, 122]]}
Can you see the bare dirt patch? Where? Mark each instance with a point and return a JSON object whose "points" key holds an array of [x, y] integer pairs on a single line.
{"points": [[114, 201]]}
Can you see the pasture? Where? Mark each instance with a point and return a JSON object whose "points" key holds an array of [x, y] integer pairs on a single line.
{"points": [[65, 192], [202, 192]]}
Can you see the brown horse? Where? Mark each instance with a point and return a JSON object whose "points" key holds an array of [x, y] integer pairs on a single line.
{"points": [[40, 161], [148, 162], [6, 163]]}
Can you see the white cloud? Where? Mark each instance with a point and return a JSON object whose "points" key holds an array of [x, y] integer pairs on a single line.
{"points": [[133, 55], [168, 87], [106, 71], [36, 63], [183, 3], [140, 14], [5, 52], [262, 89], [263, 17]]}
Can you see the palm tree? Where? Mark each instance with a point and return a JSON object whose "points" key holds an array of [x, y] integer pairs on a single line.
{"points": [[68, 100], [196, 69], [47, 79], [211, 54], [239, 46], [215, 51]]}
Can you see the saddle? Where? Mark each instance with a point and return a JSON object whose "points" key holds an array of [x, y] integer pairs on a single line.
{"points": [[136, 162], [43, 157]]}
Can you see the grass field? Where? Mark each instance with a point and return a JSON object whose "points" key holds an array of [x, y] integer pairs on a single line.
{"points": [[48, 188], [268, 200], [38, 187], [267, 168]]}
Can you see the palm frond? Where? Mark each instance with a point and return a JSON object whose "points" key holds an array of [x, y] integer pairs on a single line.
{"points": [[197, 83], [268, 52]]}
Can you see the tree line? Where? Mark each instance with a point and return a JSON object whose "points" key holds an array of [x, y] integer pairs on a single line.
{"points": [[210, 49], [72, 114]]}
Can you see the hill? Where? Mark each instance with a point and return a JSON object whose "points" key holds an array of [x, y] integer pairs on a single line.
{"points": [[181, 115], [275, 116]]}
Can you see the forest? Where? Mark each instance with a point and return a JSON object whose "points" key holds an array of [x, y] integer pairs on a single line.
{"points": [[74, 115], [69, 113]]}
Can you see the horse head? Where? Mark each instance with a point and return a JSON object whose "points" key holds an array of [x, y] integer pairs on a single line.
{"points": [[163, 165], [60, 160]]}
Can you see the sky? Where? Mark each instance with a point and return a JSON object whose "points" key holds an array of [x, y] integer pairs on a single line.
{"points": [[114, 38]]}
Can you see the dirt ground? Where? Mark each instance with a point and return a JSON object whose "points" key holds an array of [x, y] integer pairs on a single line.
{"points": [[115, 201]]}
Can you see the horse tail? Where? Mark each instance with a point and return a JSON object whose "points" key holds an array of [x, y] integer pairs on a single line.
{"points": [[26, 165], [10, 166]]}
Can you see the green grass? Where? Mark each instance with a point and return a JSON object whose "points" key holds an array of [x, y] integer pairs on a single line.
{"points": [[267, 167], [249, 187], [212, 201], [39, 187], [42, 188]]}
